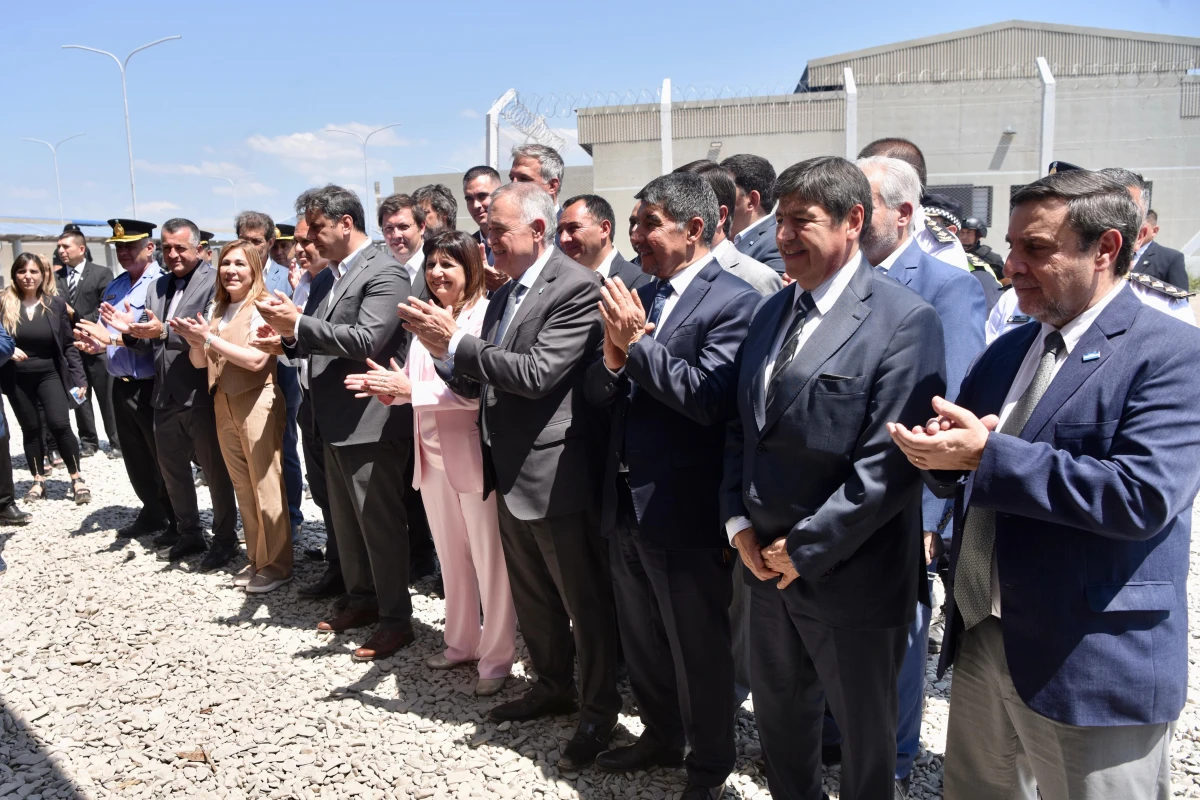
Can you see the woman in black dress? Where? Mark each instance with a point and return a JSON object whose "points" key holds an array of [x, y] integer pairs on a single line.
{"points": [[45, 368]]}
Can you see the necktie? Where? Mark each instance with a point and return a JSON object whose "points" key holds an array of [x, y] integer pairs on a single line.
{"points": [[176, 297], [973, 576], [791, 341], [72, 284], [661, 294], [510, 310]]}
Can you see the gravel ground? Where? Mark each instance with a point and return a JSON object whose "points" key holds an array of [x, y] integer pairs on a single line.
{"points": [[122, 675]]}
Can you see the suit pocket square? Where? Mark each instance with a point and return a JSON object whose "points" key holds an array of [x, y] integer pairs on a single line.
{"points": [[839, 384], [829, 376]]}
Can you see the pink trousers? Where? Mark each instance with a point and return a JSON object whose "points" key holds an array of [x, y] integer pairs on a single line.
{"points": [[466, 534]]}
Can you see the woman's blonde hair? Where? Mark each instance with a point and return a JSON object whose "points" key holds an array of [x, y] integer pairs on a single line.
{"points": [[10, 301], [258, 285]]}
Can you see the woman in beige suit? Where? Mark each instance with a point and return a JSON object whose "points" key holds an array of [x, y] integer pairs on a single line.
{"points": [[250, 413]]}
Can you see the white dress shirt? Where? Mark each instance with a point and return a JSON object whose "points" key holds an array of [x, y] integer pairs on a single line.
{"points": [[824, 298], [758, 223], [605, 268], [414, 263], [527, 280], [1072, 332], [887, 263], [303, 287]]}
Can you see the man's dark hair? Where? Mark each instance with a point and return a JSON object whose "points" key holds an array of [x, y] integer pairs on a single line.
{"points": [[76, 236], [684, 196], [1096, 203], [441, 200], [252, 221], [753, 174], [903, 149], [333, 202], [833, 183], [397, 202], [476, 172], [1152, 217], [721, 181], [303, 200], [597, 206], [178, 224], [1129, 179]]}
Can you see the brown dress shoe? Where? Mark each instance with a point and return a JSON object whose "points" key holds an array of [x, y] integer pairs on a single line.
{"points": [[349, 618], [384, 643]]}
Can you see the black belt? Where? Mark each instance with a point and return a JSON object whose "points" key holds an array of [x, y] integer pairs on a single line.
{"points": [[125, 379]]}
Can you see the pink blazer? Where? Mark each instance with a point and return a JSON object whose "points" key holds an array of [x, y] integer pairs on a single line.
{"points": [[457, 418]]}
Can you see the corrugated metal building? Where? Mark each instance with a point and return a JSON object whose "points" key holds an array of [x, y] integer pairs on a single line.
{"points": [[972, 100]]}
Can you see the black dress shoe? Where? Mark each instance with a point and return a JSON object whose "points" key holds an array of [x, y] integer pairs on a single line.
{"points": [[12, 515], [88, 450], [533, 705], [639, 756], [140, 527], [114, 453], [314, 554], [695, 791], [590, 740], [831, 754], [330, 584], [187, 546], [167, 538], [219, 554]]}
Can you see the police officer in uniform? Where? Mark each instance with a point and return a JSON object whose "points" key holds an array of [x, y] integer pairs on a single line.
{"points": [[971, 235], [943, 218], [206, 243], [133, 375]]}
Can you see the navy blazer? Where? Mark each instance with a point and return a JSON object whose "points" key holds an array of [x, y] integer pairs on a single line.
{"points": [[1165, 264], [630, 274], [672, 430], [760, 245], [1093, 510], [818, 466], [959, 301]]}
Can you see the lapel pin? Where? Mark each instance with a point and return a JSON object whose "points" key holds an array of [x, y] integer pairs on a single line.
{"points": [[1090, 357], [541, 290]]}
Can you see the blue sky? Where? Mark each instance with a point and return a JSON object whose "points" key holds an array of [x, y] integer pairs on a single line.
{"points": [[251, 86]]}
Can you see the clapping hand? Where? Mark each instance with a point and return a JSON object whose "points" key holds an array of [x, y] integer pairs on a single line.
{"points": [[389, 385], [152, 328], [265, 338], [492, 277], [195, 331], [280, 313], [953, 440], [624, 321], [433, 325], [117, 319], [91, 337], [294, 273]]}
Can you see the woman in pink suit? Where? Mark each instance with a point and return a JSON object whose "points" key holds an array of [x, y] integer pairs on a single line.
{"points": [[449, 473]]}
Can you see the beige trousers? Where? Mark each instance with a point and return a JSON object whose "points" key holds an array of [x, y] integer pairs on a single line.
{"points": [[250, 429]]}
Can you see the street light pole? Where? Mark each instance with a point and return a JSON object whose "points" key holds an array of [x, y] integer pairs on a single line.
{"points": [[54, 152], [233, 186], [125, 96], [366, 178]]}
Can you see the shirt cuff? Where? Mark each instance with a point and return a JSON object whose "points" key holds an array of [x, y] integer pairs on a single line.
{"points": [[735, 525], [450, 348]]}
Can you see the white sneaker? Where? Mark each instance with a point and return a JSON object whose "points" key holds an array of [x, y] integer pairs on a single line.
{"points": [[244, 577], [261, 584]]}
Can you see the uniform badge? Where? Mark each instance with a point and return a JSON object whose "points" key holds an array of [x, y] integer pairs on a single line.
{"points": [[1090, 357], [118, 230]]}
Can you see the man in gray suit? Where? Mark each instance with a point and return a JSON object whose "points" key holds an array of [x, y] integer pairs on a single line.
{"points": [[585, 231], [754, 226], [366, 442], [542, 454]]}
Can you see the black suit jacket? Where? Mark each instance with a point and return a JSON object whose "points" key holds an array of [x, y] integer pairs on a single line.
{"points": [[1163, 263], [630, 274], [672, 429], [317, 290], [817, 465], [67, 360], [90, 291]]}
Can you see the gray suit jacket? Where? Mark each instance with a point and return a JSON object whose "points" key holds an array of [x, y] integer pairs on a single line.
{"points": [[765, 280], [630, 274], [357, 320], [542, 441]]}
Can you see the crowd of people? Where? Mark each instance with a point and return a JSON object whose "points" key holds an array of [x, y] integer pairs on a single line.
{"points": [[733, 461]]}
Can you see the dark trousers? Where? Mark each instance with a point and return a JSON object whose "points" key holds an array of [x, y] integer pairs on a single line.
{"points": [[796, 663], [43, 387], [8, 492], [134, 415], [420, 540], [293, 478], [365, 494], [99, 391], [180, 434], [314, 462], [673, 615], [562, 589]]}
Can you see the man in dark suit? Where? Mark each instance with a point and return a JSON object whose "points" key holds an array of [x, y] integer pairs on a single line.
{"points": [[824, 511], [478, 185], [668, 376], [184, 420], [541, 443], [753, 228], [585, 231], [366, 442], [1149, 257], [82, 283], [1074, 450], [888, 244]]}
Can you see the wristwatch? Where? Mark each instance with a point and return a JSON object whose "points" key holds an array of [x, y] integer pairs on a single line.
{"points": [[208, 340]]}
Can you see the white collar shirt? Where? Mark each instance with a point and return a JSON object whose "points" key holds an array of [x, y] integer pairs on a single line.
{"points": [[414, 263], [744, 232], [605, 268], [887, 263]]}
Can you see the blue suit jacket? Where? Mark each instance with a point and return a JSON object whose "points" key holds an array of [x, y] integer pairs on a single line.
{"points": [[1093, 510], [817, 465], [672, 430], [959, 301], [760, 244], [7, 346]]}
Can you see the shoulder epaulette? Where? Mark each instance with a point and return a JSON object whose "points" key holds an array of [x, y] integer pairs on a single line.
{"points": [[977, 263], [941, 234], [1154, 284]]}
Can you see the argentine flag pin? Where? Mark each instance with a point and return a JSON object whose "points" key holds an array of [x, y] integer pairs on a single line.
{"points": [[1090, 357]]}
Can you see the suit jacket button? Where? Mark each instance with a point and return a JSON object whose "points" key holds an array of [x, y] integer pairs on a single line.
{"points": [[760, 449]]}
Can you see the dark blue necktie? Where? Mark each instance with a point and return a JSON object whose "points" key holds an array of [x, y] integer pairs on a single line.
{"points": [[661, 294]]}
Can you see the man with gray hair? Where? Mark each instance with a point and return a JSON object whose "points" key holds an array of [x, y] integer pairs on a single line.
{"points": [[671, 396], [888, 244], [1150, 257], [440, 207], [542, 450], [539, 165]]}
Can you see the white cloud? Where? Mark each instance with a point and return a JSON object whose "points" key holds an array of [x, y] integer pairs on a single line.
{"points": [[322, 156], [209, 169], [25, 193], [157, 207], [244, 189], [469, 113]]}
